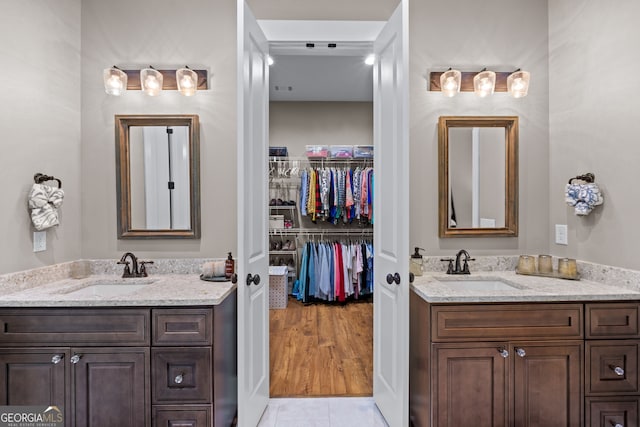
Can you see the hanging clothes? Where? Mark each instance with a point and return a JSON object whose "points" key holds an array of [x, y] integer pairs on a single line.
{"points": [[337, 194], [335, 271]]}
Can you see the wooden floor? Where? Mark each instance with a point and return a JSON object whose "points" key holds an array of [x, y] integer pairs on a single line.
{"points": [[321, 350]]}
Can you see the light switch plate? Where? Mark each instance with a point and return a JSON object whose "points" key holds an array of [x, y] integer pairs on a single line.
{"points": [[39, 241], [562, 234]]}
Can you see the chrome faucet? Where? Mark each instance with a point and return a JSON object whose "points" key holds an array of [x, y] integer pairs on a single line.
{"points": [[135, 271], [457, 269]]}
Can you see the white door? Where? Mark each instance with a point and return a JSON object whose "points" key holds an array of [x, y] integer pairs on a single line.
{"points": [[391, 220], [253, 256]]}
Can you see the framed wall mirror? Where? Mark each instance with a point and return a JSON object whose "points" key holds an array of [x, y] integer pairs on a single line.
{"points": [[478, 176], [157, 176]]}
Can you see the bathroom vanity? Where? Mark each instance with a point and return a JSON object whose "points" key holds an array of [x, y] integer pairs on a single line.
{"points": [[535, 352], [160, 353]]}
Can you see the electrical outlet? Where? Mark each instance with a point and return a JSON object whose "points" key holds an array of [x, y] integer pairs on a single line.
{"points": [[562, 234], [39, 241]]}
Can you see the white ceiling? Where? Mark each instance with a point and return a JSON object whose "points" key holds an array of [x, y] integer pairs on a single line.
{"points": [[321, 73], [320, 78]]}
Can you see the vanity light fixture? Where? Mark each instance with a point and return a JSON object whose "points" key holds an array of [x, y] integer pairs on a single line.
{"points": [[484, 83], [450, 82], [187, 81], [151, 80], [115, 81], [370, 59], [518, 83]]}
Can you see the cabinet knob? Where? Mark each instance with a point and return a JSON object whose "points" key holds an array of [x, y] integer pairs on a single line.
{"points": [[178, 379], [617, 369], [503, 352], [75, 358], [57, 358], [520, 352]]}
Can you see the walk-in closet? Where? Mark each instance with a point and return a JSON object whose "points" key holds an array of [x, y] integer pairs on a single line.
{"points": [[321, 179]]}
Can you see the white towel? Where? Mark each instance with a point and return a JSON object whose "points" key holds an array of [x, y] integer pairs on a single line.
{"points": [[44, 202]]}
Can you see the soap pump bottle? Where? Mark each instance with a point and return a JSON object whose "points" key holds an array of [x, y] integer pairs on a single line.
{"points": [[229, 266], [415, 264]]}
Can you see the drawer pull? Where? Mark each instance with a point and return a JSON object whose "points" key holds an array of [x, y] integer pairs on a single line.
{"points": [[503, 352], [520, 352], [75, 358], [57, 358], [178, 379], [617, 369]]}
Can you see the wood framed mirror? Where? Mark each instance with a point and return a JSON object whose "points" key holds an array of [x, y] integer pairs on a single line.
{"points": [[478, 176], [158, 176]]}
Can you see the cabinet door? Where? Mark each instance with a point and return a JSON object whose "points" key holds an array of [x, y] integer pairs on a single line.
{"points": [[547, 379], [33, 376], [470, 385], [111, 386]]}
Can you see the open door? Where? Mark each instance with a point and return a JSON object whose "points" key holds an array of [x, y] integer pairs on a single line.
{"points": [[253, 256], [391, 220]]}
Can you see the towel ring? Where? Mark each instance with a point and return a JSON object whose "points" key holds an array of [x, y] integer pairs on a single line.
{"points": [[39, 178], [587, 177]]}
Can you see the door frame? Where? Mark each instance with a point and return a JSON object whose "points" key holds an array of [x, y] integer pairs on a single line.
{"points": [[272, 29]]}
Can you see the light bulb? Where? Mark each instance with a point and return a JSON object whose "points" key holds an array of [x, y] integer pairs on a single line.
{"points": [[270, 60], [518, 83], [187, 80], [115, 81], [450, 82], [151, 81], [484, 83], [370, 59]]}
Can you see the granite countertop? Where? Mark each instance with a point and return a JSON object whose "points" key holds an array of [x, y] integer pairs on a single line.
{"points": [[160, 290], [527, 289], [170, 283]]}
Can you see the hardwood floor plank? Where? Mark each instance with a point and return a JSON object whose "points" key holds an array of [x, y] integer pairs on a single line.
{"points": [[321, 350]]}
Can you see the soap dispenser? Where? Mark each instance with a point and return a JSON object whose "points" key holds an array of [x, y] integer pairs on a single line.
{"points": [[229, 266], [415, 264]]}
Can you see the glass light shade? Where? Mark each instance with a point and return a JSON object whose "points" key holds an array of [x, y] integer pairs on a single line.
{"points": [[187, 81], [484, 83], [450, 82], [151, 81], [115, 81], [518, 83]]}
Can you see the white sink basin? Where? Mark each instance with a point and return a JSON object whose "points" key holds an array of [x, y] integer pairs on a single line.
{"points": [[106, 289], [479, 284]]}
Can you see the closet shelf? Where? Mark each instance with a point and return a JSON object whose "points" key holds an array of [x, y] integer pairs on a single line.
{"points": [[321, 160], [278, 208], [324, 232], [282, 252]]}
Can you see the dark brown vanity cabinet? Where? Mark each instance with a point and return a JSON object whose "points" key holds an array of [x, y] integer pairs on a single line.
{"points": [[496, 365], [123, 366], [611, 365], [97, 367]]}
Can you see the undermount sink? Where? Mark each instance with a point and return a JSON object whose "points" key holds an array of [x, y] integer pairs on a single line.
{"points": [[480, 284], [106, 288]]}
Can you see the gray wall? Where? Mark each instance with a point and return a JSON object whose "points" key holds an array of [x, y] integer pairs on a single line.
{"points": [[594, 109], [162, 33], [502, 35], [40, 110], [296, 124]]}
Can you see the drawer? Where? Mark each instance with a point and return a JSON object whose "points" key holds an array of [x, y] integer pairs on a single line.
{"points": [[608, 321], [506, 322], [182, 326], [181, 375], [611, 412], [181, 416], [612, 367], [69, 326]]}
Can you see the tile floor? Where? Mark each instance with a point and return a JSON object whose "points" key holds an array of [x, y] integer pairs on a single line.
{"points": [[322, 412]]}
